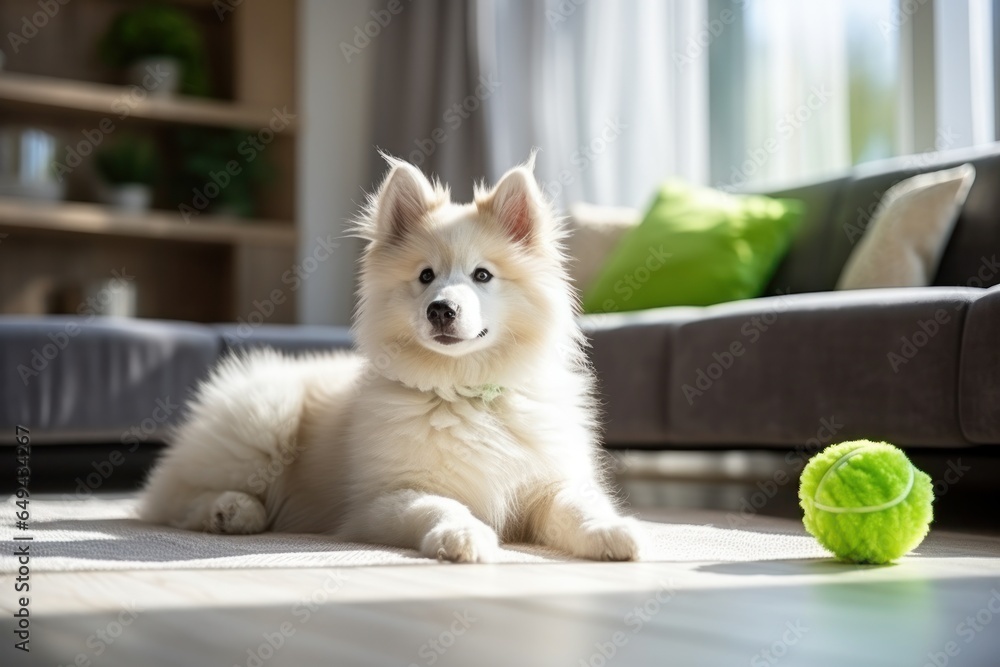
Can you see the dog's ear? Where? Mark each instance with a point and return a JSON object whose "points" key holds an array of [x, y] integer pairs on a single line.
{"points": [[403, 200], [516, 204]]}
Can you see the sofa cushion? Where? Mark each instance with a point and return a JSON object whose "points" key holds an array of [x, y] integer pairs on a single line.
{"points": [[969, 259], [696, 246], [879, 364], [903, 244], [98, 379], [979, 378], [632, 354]]}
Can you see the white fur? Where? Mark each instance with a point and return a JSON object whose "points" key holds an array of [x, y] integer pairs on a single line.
{"points": [[447, 449]]}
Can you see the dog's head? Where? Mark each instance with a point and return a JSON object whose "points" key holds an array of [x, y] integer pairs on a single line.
{"points": [[460, 294]]}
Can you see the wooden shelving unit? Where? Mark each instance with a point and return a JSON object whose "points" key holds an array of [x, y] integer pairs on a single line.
{"points": [[80, 218], [32, 92], [211, 268]]}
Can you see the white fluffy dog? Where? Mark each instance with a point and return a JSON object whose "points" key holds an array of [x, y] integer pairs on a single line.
{"points": [[467, 419]]}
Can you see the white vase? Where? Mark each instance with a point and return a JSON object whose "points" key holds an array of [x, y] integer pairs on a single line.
{"points": [[129, 197], [28, 157], [160, 76], [112, 297]]}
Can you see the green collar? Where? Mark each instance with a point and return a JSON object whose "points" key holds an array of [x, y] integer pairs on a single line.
{"points": [[488, 392]]}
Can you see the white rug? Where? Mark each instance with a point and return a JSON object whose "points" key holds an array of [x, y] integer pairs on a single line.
{"points": [[101, 534]]}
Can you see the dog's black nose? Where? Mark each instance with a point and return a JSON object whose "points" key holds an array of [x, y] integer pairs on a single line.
{"points": [[441, 312]]}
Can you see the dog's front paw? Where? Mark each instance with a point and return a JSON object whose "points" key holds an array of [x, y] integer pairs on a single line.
{"points": [[461, 543], [237, 513], [615, 539]]}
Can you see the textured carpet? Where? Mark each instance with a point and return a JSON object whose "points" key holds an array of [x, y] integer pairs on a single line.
{"points": [[101, 534]]}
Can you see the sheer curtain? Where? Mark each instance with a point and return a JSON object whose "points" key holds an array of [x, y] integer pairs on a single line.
{"points": [[599, 88], [797, 101], [430, 91], [618, 95], [780, 103]]}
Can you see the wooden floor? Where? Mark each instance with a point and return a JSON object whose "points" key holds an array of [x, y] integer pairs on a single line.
{"points": [[813, 613]]}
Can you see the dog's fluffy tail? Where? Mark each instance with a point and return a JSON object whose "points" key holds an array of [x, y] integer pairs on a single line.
{"points": [[238, 439]]}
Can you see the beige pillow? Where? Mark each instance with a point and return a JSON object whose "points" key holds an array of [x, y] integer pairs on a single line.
{"points": [[594, 231], [908, 232]]}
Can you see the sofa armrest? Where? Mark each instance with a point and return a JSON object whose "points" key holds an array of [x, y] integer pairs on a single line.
{"points": [[99, 379], [979, 373]]}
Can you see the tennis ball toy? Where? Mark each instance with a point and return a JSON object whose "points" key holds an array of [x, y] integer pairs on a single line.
{"points": [[865, 501]]}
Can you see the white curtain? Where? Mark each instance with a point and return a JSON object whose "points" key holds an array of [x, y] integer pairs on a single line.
{"points": [[598, 88]]}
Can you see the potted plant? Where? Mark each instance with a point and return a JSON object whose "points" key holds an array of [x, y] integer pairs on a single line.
{"points": [[161, 47], [219, 171], [128, 166]]}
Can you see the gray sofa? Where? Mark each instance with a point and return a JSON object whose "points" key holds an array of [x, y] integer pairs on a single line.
{"points": [[919, 367]]}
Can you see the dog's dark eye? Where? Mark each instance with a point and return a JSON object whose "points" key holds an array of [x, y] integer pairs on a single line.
{"points": [[481, 276], [427, 276]]}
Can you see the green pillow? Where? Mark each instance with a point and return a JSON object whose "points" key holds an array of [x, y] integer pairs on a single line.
{"points": [[695, 247]]}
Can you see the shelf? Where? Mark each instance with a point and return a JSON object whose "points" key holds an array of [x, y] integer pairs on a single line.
{"points": [[82, 218], [115, 102]]}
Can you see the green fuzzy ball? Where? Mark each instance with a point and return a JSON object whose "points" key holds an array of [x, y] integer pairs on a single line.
{"points": [[865, 501]]}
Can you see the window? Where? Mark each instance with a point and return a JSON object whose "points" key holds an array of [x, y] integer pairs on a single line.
{"points": [[801, 91]]}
